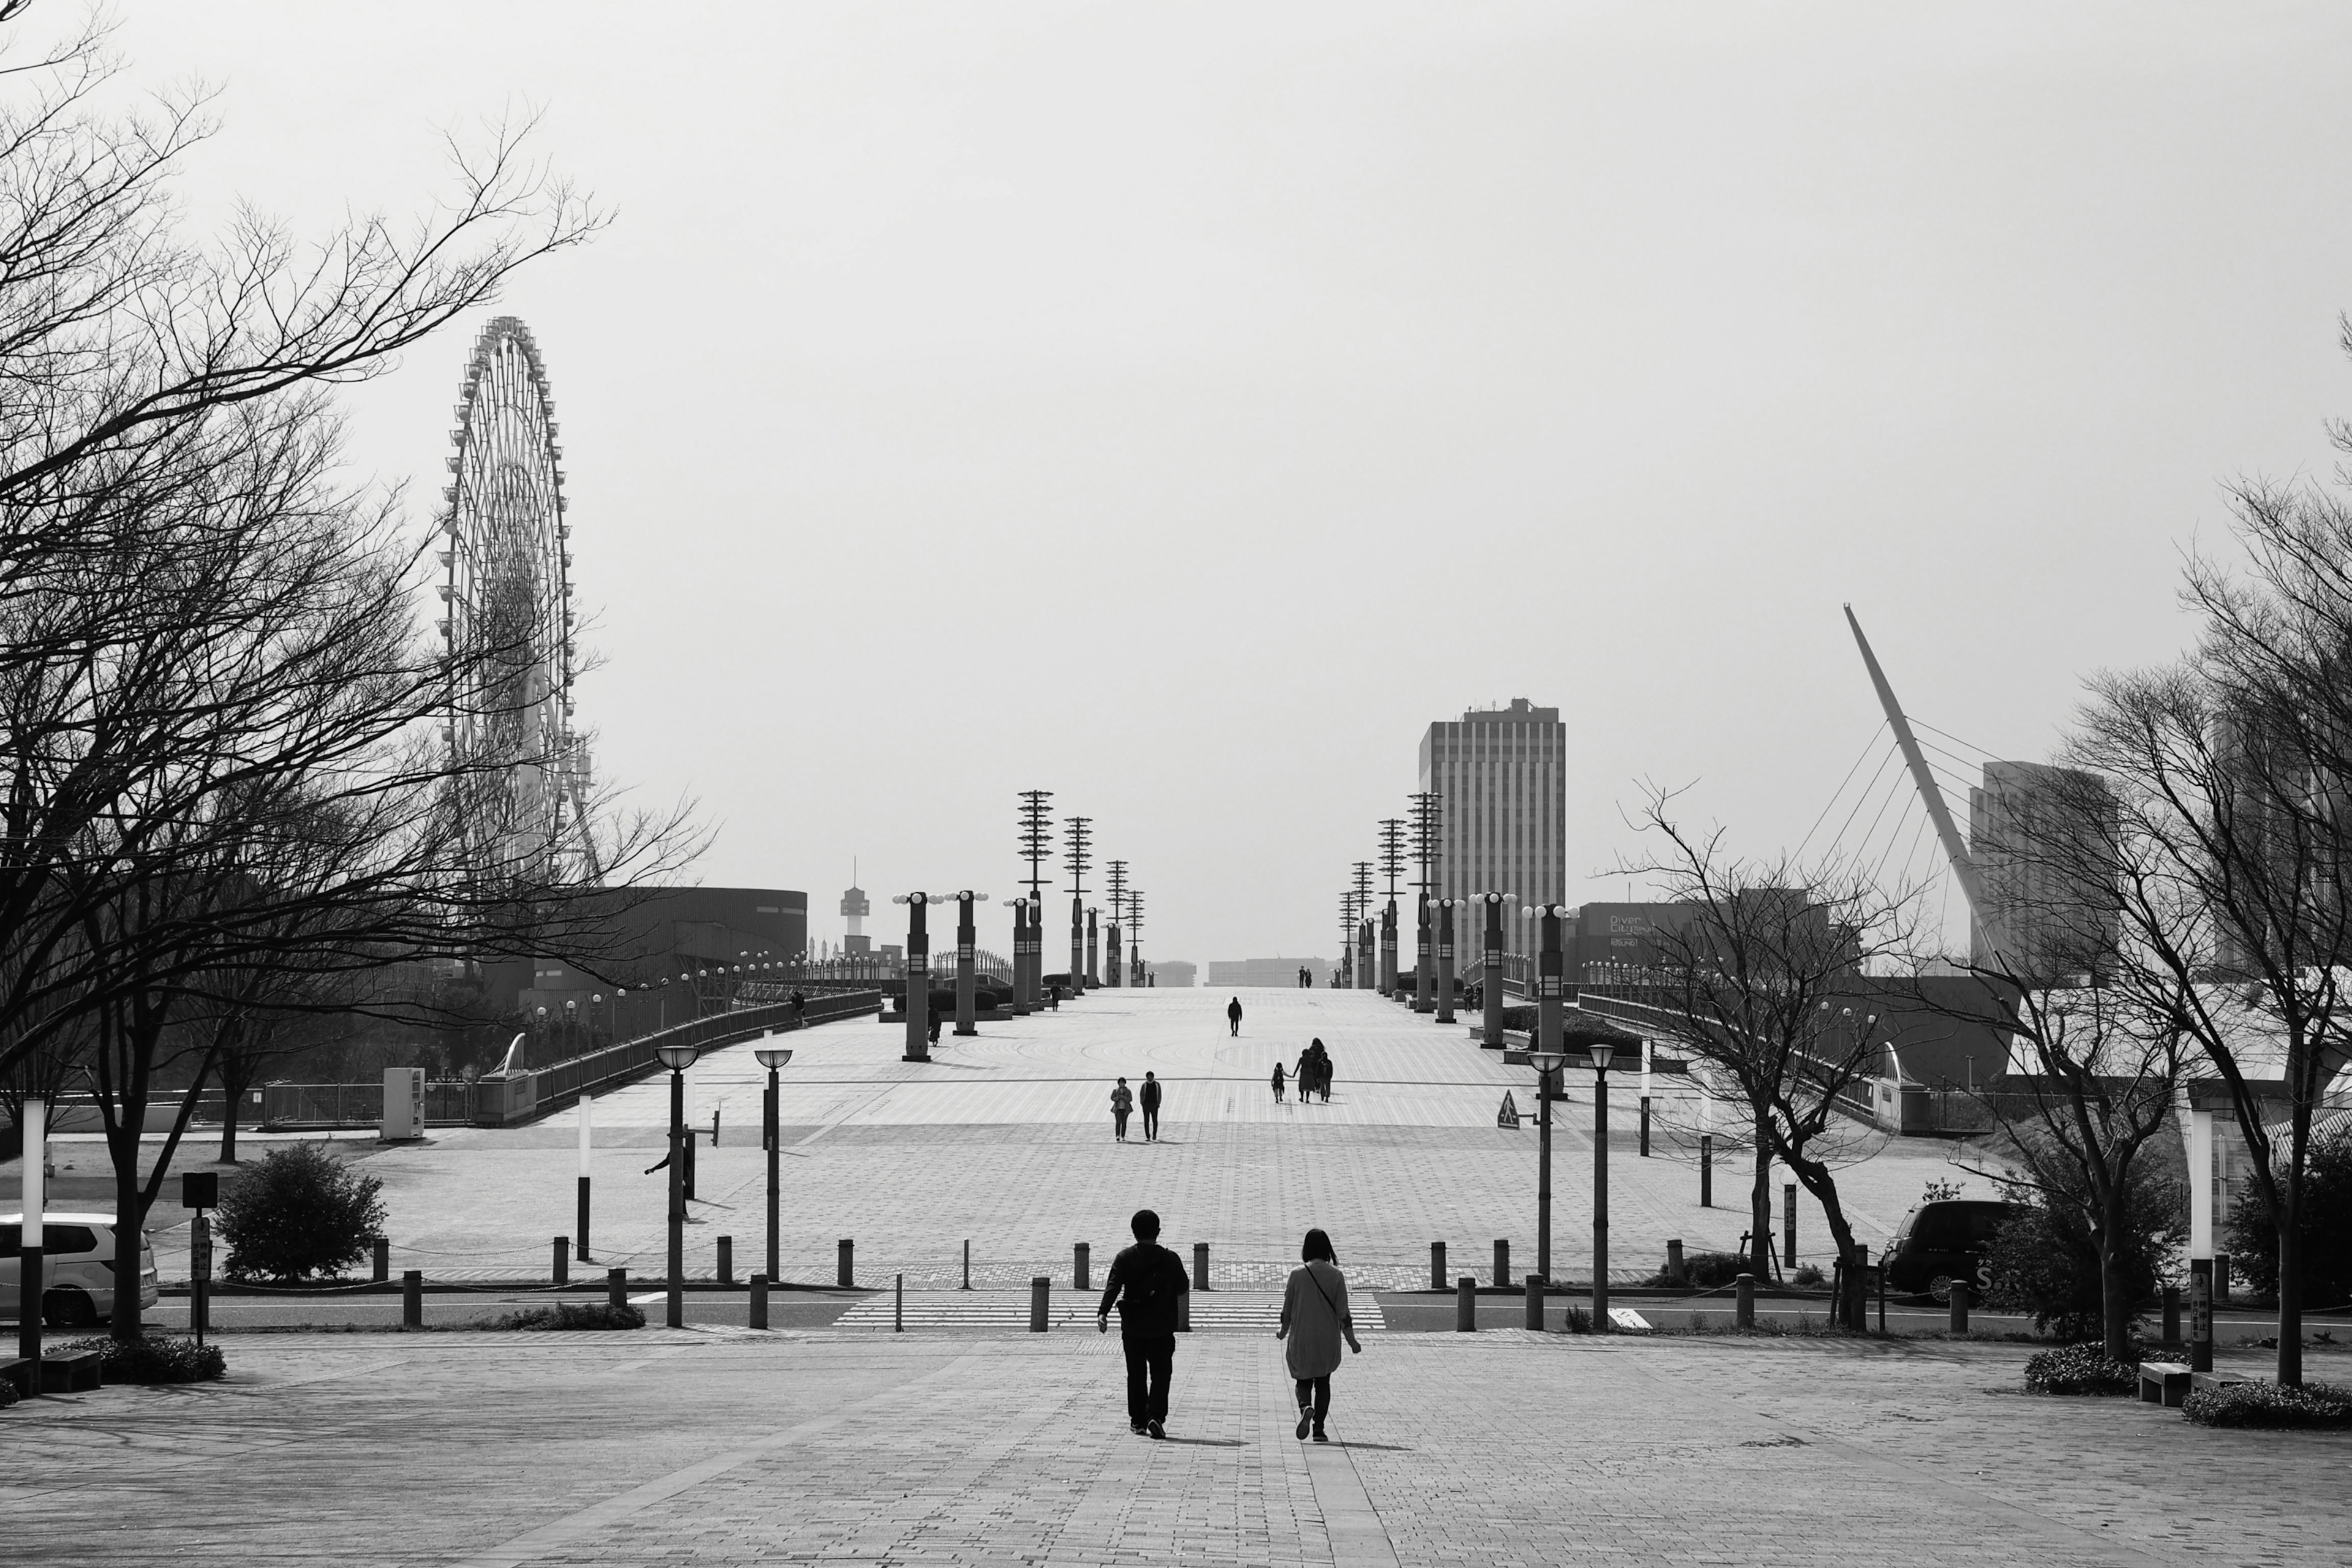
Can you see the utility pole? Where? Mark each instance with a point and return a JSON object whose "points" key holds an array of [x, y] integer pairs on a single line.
{"points": [[1391, 865], [1034, 842], [1115, 878], [1076, 835]]}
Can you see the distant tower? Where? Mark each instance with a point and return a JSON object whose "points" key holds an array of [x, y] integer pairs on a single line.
{"points": [[855, 907]]}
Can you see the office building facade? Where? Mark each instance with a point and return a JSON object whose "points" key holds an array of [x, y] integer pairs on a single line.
{"points": [[1501, 778], [2039, 837]]}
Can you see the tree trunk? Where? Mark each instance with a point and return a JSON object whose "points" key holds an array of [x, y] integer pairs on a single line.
{"points": [[1759, 1206], [2289, 1371], [2116, 1305], [129, 1212]]}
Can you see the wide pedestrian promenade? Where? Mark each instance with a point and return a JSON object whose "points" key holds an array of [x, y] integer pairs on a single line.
{"points": [[1500, 1449], [1003, 1141]]}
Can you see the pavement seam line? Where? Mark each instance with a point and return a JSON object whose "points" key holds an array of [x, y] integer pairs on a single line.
{"points": [[559, 1533]]}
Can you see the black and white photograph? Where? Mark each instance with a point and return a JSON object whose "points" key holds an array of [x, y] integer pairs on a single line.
{"points": [[1060, 782]]}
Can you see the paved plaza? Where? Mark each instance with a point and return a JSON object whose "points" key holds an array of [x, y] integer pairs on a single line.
{"points": [[1004, 1141], [1500, 1449]]}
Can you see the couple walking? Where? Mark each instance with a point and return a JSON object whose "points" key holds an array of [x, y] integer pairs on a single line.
{"points": [[1122, 1103], [1148, 1283]]}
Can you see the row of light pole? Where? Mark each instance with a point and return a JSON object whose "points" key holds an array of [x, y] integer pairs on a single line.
{"points": [[678, 1056]]}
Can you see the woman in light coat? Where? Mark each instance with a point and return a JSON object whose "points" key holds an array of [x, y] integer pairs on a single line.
{"points": [[1314, 1321]]}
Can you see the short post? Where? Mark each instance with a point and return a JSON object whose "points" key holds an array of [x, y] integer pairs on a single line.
{"points": [[1081, 1267], [383, 1260], [1645, 1127], [2200, 1314], [967, 1264], [1878, 1278], [562, 1271], [1743, 1301], [1041, 1301], [412, 1299], [1200, 1265], [1959, 1307], [617, 1288], [1534, 1303], [1465, 1305], [845, 1268], [2172, 1317], [1185, 1313], [580, 1232], [1677, 1273], [1437, 1265], [1706, 1169], [2220, 1280], [1502, 1261], [727, 1260], [898, 1303], [759, 1316], [1787, 1225]]}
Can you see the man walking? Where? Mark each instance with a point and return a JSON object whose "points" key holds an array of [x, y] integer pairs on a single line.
{"points": [[1233, 1016], [1151, 1102], [1149, 1283]]}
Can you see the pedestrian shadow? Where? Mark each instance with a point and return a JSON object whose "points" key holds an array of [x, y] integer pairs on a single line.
{"points": [[1207, 1442], [1377, 1447]]}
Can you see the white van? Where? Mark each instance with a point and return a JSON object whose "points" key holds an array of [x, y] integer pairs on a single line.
{"points": [[76, 1268]]}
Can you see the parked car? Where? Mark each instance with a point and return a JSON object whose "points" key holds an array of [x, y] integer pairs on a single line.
{"points": [[1943, 1241], [77, 1268]]}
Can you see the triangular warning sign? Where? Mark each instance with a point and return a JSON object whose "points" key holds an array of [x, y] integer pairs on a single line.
{"points": [[1509, 1115]]}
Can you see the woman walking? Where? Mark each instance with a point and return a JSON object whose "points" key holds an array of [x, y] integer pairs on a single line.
{"points": [[1122, 1101], [1315, 1319]]}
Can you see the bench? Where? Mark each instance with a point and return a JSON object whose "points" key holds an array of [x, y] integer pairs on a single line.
{"points": [[2164, 1382], [70, 1372]]}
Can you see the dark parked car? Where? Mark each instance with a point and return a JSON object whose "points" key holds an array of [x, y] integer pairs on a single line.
{"points": [[1943, 1241]]}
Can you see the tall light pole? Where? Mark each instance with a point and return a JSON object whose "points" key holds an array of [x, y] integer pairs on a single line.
{"points": [[1490, 975], [1391, 864], [1077, 835], [1603, 1053], [917, 1002], [1546, 1064], [1550, 987], [678, 1058], [772, 1058], [966, 960], [1021, 958], [1445, 908]]}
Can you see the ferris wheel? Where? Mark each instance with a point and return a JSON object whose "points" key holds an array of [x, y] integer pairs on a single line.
{"points": [[507, 621]]}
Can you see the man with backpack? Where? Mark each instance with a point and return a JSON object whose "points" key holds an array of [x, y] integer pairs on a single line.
{"points": [[1150, 1101], [1149, 1283]]}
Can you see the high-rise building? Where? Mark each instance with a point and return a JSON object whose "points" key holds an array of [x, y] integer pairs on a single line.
{"points": [[2040, 837], [1501, 778]]}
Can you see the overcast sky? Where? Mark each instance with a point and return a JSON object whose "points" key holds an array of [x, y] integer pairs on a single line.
{"points": [[1179, 406]]}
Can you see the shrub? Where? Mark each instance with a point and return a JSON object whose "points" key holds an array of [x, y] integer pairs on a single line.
{"points": [[573, 1315], [2270, 1405], [164, 1358], [2325, 1223], [1808, 1276], [2080, 1369], [1575, 1320], [302, 1214], [2044, 1262], [1709, 1270]]}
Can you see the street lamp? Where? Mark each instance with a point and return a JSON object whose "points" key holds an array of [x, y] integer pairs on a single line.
{"points": [[771, 1057], [677, 1058], [1603, 1053], [1546, 1063]]}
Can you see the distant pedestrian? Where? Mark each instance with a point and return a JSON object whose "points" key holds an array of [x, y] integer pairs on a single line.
{"points": [[935, 1026], [1233, 1016], [1151, 1099], [1150, 1284], [799, 1009], [1277, 1083], [1314, 1319], [1122, 1102]]}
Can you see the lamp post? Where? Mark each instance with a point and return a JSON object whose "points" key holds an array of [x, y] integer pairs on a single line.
{"points": [[1603, 1053], [1424, 966], [1021, 958], [967, 975], [1490, 974], [677, 1058], [772, 1058], [1550, 990], [1546, 1063], [918, 991], [1445, 908]]}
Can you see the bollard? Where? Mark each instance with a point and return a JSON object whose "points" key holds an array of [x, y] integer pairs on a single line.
{"points": [[727, 1260], [1645, 1124], [1503, 1263], [1676, 1272], [1959, 1307], [1200, 1265], [1465, 1305], [898, 1303], [383, 1260], [1184, 1313], [1534, 1303], [967, 1264], [759, 1317], [845, 1269], [1081, 1261], [2172, 1317], [1743, 1301], [1437, 1265], [1041, 1301], [562, 1270], [412, 1299], [2220, 1280], [1706, 1169], [617, 1288]]}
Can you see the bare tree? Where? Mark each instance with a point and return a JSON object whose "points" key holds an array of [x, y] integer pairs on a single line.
{"points": [[1759, 988]]}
